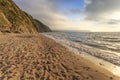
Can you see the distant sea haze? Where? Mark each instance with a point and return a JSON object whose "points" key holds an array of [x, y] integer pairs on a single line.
{"points": [[71, 31]]}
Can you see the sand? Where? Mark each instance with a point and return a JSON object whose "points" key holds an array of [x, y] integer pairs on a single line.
{"points": [[102, 59], [106, 55], [36, 57]]}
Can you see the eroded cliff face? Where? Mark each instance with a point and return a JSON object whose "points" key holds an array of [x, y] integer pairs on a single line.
{"points": [[14, 20], [41, 27]]}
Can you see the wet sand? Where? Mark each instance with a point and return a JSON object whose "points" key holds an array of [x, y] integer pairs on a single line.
{"points": [[36, 57]]}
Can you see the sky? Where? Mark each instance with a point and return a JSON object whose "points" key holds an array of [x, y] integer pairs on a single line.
{"points": [[80, 15]]}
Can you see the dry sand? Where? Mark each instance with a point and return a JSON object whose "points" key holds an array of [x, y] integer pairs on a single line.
{"points": [[36, 57]]}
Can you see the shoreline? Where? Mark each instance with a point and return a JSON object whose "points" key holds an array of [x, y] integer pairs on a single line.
{"points": [[111, 57], [38, 57], [100, 62]]}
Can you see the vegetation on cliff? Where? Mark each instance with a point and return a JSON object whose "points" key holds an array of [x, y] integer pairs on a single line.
{"points": [[13, 19]]}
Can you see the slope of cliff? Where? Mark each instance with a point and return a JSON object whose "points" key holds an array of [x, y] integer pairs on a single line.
{"points": [[13, 19], [41, 27]]}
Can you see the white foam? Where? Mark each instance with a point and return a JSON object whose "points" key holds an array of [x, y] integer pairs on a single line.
{"points": [[70, 45]]}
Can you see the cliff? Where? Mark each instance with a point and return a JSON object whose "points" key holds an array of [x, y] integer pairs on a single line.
{"points": [[14, 20], [41, 27]]}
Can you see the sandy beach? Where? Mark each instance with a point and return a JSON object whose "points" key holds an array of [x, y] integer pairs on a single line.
{"points": [[36, 57]]}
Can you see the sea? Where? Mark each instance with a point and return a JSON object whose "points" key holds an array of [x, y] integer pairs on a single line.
{"points": [[102, 40], [108, 42]]}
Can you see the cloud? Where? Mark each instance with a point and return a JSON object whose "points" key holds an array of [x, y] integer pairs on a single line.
{"points": [[113, 22], [98, 10], [88, 2], [48, 12], [43, 10], [75, 11], [97, 15]]}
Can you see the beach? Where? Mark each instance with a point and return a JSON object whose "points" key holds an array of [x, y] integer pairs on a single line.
{"points": [[37, 57]]}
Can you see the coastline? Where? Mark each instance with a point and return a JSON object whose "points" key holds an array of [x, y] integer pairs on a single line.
{"points": [[100, 62], [80, 44], [38, 57]]}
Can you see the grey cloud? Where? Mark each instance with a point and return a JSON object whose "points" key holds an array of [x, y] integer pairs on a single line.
{"points": [[44, 10], [95, 9], [88, 1], [36, 6], [113, 22], [75, 11]]}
